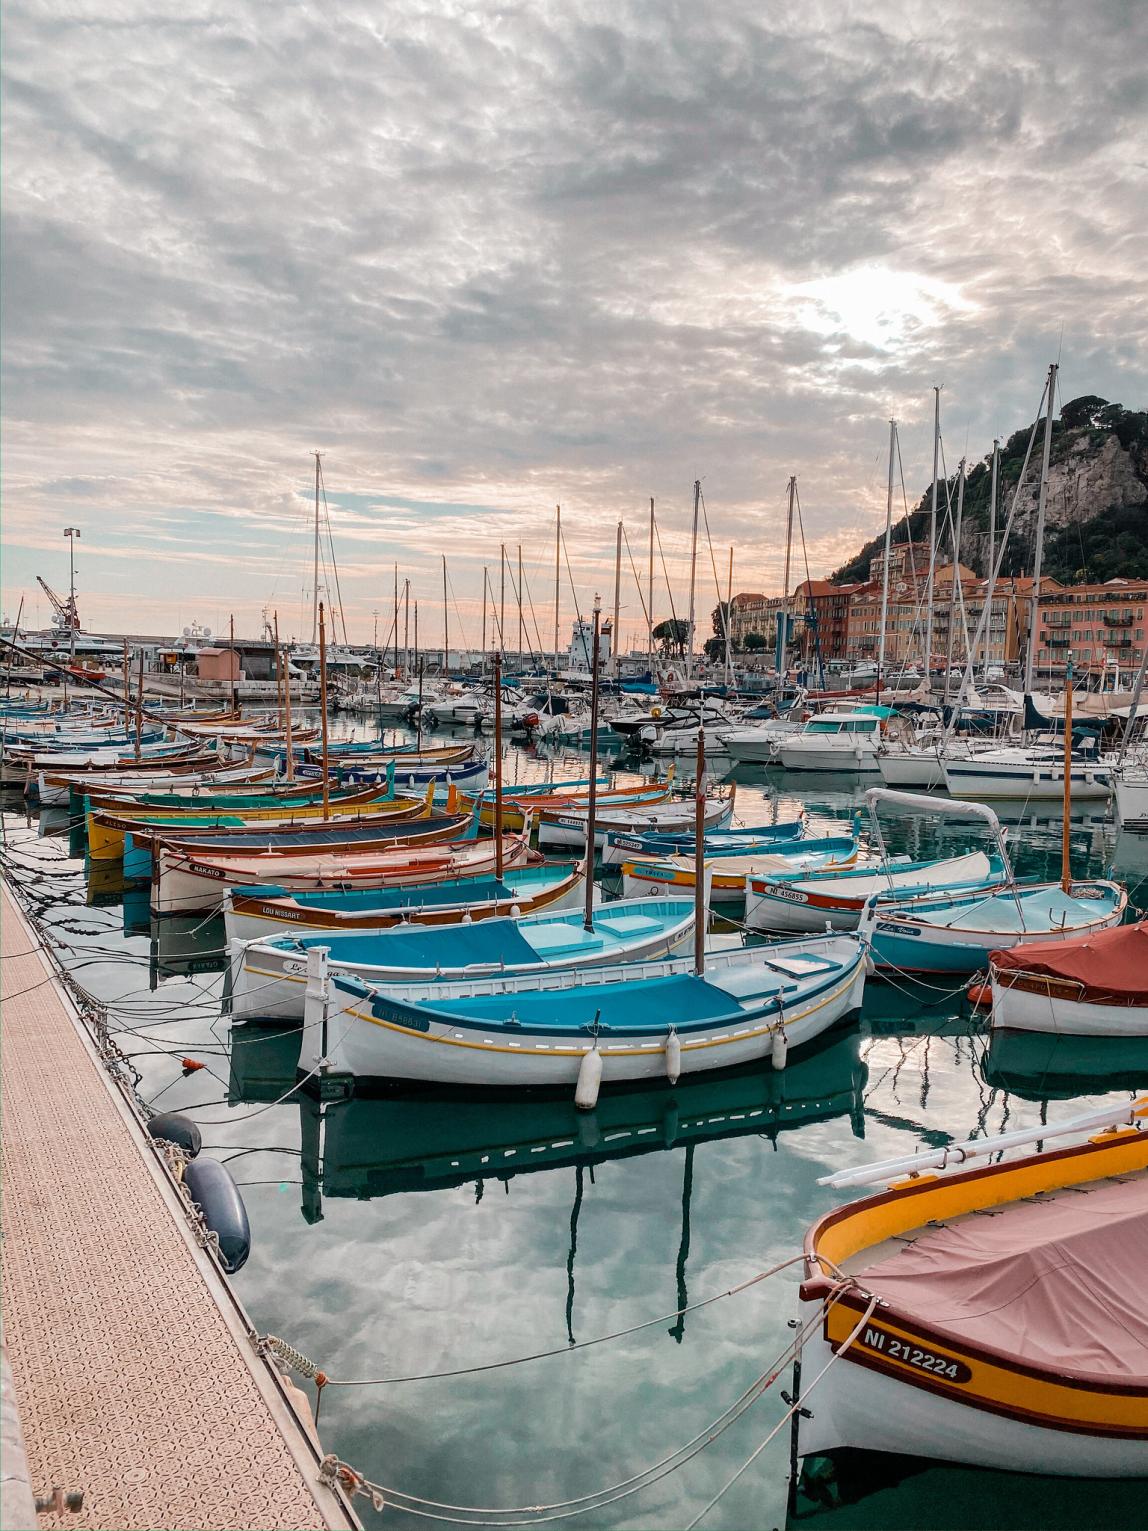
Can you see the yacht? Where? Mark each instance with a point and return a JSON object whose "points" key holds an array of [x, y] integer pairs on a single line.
{"points": [[842, 741]]}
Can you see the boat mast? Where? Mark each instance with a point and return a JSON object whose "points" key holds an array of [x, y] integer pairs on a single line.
{"points": [[499, 863], [520, 649], [1065, 841], [502, 595], [287, 707], [888, 549], [955, 586], [700, 855], [617, 602], [932, 534], [139, 710], [396, 619], [323, 713], [650, 594], [557, 575], [406, 627], [783, 615], [1042, 505], [693, 570], [729, 622], [127, 684], [484, 588], [234, 667], [315, 566], [445, 624], [993, 504], [592, 801]]}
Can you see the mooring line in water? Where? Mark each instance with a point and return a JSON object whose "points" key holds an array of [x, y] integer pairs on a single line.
{"points": [[355, 1483], [541, 1355]]}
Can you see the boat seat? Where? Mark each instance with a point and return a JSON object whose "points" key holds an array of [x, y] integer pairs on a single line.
{"points": [[630, 924], [557, 941]]}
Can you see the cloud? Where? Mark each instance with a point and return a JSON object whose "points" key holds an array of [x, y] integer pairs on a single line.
{"points": [[491, 257]]}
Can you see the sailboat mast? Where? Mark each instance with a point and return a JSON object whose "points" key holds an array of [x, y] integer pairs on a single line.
{"points": [[888, 550], [650, 592], [1065, 842], [617, 602], [1042, 506], [557, 575], [406, 627], [993, 504], [954, 588], [929, 583], [396, 617], [315, 564], [520, 643], [485, 583], [693, 572], [445, 623], [729, 622], [499, 863], [502, 595], [287, 737], [323, 714], [592, 801], [783, 615]]}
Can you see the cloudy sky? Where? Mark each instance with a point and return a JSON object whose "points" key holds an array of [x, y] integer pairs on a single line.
{"points": [[493, 257]]}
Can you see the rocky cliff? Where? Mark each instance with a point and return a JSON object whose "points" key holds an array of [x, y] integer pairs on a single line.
{"points": [[1097, 516]]}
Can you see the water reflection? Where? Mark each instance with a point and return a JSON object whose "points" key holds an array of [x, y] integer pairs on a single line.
{"points": [[1040, 1066]]}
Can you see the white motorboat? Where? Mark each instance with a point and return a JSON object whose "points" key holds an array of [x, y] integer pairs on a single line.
{"points": [[1032, 774], [840, 741]]}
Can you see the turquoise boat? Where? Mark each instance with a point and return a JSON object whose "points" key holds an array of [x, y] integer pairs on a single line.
{"points": [[955, 933], [268, 978]]}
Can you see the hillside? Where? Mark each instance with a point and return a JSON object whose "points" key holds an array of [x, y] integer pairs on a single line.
{"points": [[1097, 500]]}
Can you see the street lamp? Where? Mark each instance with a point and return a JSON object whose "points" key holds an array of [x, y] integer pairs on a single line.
{"points": [[71, 533]]}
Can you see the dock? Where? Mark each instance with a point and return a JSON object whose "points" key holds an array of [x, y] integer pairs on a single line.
{"points": [[135, 1377]]}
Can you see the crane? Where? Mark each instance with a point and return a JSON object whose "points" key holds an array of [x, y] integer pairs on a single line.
{"points": [[66, 616]]}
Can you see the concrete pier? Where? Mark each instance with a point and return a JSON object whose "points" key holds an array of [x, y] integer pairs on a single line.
{"points": [[135, 1379]]}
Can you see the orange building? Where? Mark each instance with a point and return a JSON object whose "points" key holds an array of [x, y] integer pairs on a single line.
{"points": [[1100, 626]]}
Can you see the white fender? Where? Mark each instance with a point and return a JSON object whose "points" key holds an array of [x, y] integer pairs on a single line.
{"points": [[589, 1080], [779, 1049], [673, 1058]]}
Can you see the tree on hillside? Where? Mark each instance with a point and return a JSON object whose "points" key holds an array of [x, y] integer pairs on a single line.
{"points": [[673, 635]]}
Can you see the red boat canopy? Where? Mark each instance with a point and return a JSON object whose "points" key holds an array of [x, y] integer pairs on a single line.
{"points": [[1112, 965]]}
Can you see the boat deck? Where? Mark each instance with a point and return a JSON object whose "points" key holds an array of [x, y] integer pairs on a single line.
{"points": [[133, 1375]]}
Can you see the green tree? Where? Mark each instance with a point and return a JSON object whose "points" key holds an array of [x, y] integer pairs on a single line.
{"points": [[673, 634], [714, 649], [755, 643]]}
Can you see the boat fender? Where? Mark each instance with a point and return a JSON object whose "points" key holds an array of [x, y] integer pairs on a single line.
{"points": [[589, 1080], [213, 1191], [673, 1057], [177, 1129], [467, 919], [515, 912], [980, 994], [779, 1050]]}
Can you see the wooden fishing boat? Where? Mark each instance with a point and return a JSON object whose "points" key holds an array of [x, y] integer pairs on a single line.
{"points": [[516, 804], [206, 795], [624, 846], [106, 830], [251, 913], [565, 827], [268, 978], [955, 931], [1093, 985], [467, 775], [811, 901], [634, 1022], [64, 786], [1016, 1340], [729, 871], [190, 882]]}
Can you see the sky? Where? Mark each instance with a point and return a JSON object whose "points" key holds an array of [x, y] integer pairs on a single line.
{"points": [[491, 258]]}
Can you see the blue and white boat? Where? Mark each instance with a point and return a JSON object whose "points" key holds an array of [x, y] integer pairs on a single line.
{"points": [[730, 868], [621, 845], [268, 978], [252, 912], [954, 930], [796, 901], [954, 933], [564, 1029]]}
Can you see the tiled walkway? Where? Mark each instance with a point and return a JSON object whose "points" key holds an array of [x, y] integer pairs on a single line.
{"points": [[133, 1377]]}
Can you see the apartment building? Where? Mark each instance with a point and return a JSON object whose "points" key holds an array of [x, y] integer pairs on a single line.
{"points": [[1100, 626]]}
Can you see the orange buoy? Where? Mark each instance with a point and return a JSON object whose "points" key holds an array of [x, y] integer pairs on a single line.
{"points": [[980, 994]]}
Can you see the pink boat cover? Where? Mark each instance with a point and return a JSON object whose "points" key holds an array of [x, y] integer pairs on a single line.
{"points": [[1112, 964], [1057, 1282]]}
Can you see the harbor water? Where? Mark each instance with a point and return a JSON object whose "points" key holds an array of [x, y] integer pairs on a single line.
{"points": [[400, 1234]]}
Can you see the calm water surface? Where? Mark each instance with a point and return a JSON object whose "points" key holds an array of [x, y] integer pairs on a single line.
{"points": [[405, 1235]]}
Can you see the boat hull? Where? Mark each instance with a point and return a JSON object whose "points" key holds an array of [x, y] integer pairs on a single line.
{"points": [[1037, 781], [1027, 1006], [1131, 803], [372, 1043], [905, 770]]}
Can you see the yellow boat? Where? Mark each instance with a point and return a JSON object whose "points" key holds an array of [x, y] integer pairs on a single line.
{"points": [[993, 1315], [107, 829]]}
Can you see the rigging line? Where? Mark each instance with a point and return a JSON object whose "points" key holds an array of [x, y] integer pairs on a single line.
{"points": [[666, 575], [574, 594], [457, 612], [334, 561], [534, 652], [634, 571], [809, 587]]}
